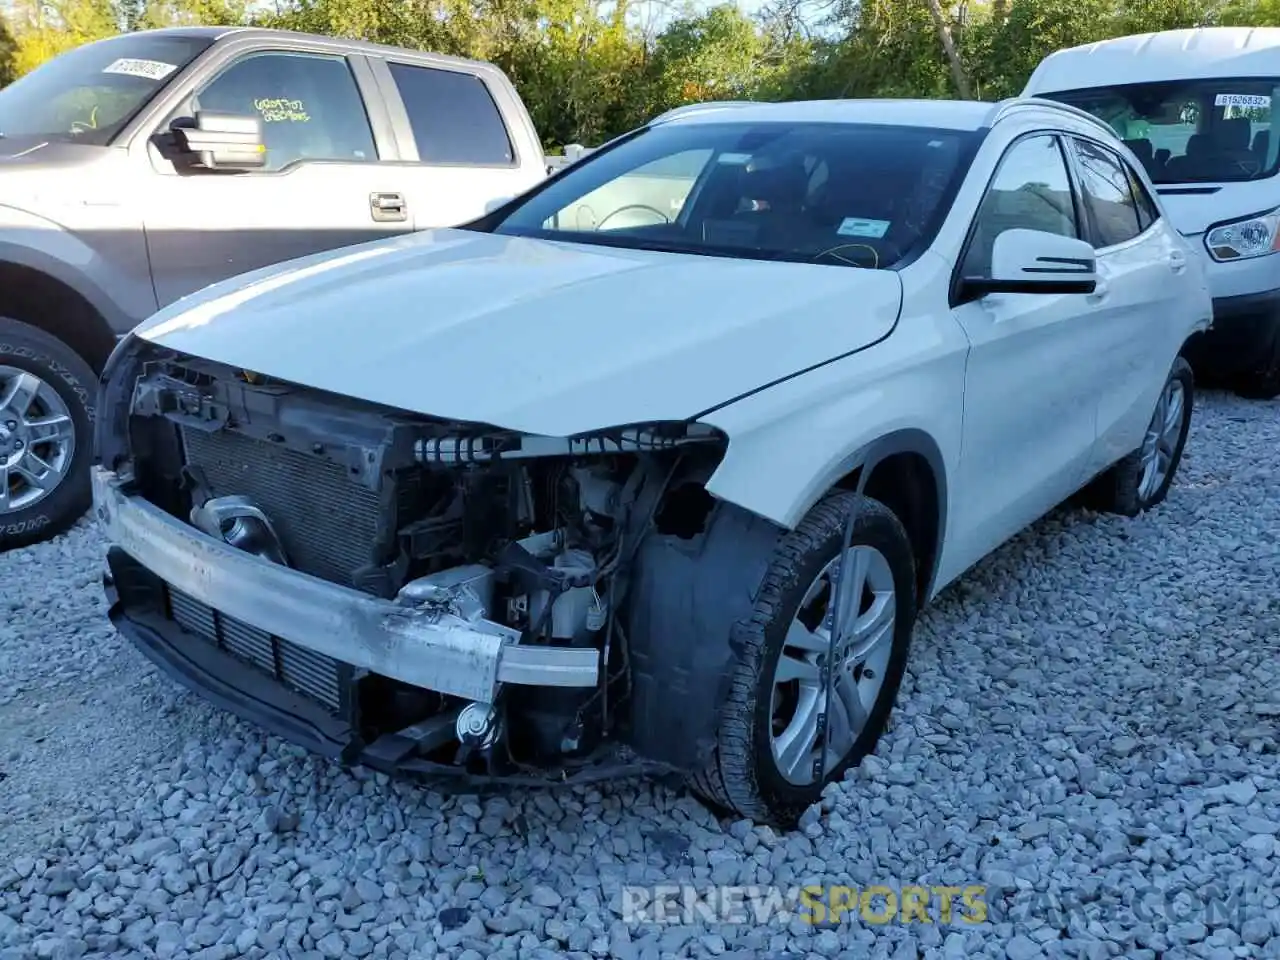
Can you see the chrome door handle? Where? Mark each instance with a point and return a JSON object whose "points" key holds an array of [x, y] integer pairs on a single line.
{"points": [[388, 207]]}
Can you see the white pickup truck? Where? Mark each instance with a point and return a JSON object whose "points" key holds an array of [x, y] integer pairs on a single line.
{"points": [[137, 170]]}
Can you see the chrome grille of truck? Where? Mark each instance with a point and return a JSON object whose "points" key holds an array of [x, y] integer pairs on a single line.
{"points": [[310, 674], [327, 520]]}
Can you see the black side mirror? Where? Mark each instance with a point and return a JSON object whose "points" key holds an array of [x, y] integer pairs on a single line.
{"points": [[221, 141]]}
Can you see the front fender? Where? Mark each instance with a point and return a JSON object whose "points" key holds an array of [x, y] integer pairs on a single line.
{"points": [[40, 244], [792, 443]]}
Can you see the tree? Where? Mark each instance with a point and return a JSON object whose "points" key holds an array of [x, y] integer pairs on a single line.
{"points": [[7, 49]]}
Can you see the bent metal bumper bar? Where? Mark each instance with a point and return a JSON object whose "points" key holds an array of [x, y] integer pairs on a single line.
{"points": [[422, 647]]}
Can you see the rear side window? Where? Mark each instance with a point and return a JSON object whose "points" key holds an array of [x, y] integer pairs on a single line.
{"points": [[1108, 195], [453, 116], [1148, 212]]}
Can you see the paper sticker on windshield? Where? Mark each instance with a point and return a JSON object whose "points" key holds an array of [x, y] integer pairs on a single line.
{"points": [[858, 227], [1249, 100], [150, 69], [737, 159]]}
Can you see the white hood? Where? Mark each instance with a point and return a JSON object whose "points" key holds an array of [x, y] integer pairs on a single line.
{"points": [[540, 337], [1193, 213]]}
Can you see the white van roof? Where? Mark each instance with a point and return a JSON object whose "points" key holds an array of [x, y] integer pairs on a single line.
{"points": [[1202, 53]]}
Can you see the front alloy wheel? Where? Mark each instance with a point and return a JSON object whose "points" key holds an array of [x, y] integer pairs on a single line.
{"points": [[47, 397], [37, 440], [857, 667], [781, 738]]}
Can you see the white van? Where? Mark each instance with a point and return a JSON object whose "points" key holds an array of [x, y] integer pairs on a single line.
{"points": [[1195, 107]]}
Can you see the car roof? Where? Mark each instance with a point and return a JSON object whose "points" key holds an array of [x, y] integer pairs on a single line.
{"points": [[266, 33], [1200, 53], [942, 114], [959, 115]]}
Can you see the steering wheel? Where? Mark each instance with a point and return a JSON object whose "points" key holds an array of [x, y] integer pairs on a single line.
{"points": [[634, 206]]}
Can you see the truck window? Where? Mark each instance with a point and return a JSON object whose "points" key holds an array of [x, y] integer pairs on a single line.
{"points": [[88, 94], [453, 116], [310, 106], [1192, 131]]}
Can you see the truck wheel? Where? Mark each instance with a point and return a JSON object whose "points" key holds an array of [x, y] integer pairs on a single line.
{"points": [[46, 435], [1142, 479], [766, 762]]}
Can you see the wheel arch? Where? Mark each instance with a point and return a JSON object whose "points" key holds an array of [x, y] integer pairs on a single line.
{"points": [[42, 296], [905, 471], [904, 468]]}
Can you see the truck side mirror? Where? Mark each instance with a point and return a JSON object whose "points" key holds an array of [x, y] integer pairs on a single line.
{"points": [[221, 141]]}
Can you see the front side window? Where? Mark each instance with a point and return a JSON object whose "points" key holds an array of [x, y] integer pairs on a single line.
{"points": [[1198, 131], [1030, 191], [310, 106], [1108, 194], [842, 194], [453, 116], [88, 94]]}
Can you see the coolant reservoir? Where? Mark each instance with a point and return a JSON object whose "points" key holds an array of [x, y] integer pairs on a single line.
{"points": [[569, 614]]}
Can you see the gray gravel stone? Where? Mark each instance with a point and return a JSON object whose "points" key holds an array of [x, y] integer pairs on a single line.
{"points": [[1088, 715]]}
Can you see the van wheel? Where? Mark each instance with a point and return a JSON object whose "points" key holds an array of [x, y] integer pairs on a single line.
{"points": [[47, 395], [1141, 480], [769, 764], [1262, 383]]}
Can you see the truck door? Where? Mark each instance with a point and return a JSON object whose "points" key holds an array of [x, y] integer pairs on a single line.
{"points": [[464, 135], [325, 183]]}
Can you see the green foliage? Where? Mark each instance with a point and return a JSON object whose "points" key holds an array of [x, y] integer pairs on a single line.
{"points": [[588, 72]]}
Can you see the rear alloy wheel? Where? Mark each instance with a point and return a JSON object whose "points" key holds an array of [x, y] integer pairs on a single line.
{"points": [[1142, 479], [46, 393], [771, 759]]}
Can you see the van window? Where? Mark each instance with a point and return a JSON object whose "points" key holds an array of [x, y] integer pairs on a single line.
{"points": [[1191, 131]]}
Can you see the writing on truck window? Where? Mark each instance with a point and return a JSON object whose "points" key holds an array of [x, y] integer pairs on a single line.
{"points": [[278, 110]]}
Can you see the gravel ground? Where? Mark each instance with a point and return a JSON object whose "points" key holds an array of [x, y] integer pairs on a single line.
{"points": [[1089, 729]]}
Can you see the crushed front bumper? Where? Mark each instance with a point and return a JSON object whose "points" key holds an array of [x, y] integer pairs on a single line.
{"points": [[427, 648]]}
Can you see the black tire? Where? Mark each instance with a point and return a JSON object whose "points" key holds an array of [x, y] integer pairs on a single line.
{"points": [[1262, 382], [742, 776], [1118, 490], [27, 348]]}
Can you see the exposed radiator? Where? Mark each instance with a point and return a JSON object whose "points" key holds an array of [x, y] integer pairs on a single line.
{"points": [[327, 521], [310, 674]]}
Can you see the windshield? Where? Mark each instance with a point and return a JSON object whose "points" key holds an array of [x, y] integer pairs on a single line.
{"points": [[89, 93], [1198, 131], [834, 193]]}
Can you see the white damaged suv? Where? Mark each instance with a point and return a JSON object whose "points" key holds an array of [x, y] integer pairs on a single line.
{"points": [[650, 469]]}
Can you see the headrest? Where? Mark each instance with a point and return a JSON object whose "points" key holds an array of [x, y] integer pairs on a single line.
{"points": [[1141, 148], [1198, 144], [784, 184], [1232, 134]]}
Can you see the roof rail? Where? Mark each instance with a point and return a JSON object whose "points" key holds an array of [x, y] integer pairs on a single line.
{"points": [[704, 106], [1013, 104]]}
